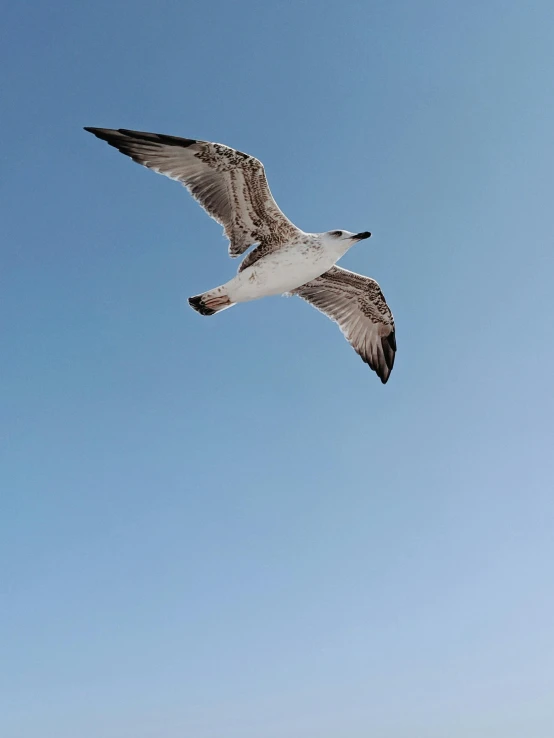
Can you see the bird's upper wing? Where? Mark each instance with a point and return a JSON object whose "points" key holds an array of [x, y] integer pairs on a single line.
{"points": [[230, 186], [358, 306]]}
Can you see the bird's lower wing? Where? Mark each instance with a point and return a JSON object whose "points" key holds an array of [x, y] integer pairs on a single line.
{"points": [[358, 306]]}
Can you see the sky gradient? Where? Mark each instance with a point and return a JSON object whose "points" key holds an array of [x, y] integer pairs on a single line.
{"points": [[227, 527]]}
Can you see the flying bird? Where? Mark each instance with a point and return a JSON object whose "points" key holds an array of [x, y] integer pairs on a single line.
{"points": [[233, 189]]}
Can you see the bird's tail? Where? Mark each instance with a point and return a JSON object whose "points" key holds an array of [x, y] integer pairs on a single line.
{"points": [[211, 302]]}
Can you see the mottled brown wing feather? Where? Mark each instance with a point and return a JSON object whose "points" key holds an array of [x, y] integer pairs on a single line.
{"points": [[230, 186], [358, 306]]}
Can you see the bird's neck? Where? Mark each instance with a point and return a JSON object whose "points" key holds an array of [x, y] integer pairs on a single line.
{"points": [[337, 248]]}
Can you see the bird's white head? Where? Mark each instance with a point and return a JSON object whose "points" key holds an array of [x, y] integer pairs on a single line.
{"points": [[341, 241]]}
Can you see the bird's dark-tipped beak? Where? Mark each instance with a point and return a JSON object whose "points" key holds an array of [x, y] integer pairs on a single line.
{"points": [[361, 236]]}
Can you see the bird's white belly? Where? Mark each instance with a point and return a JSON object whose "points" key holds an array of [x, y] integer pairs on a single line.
{"points": [[280, 272]]}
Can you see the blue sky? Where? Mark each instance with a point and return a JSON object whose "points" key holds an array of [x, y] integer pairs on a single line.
{"points": [[229, 527]]}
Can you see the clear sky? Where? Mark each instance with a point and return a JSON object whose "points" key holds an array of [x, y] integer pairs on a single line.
{"points": [[227, 527]]}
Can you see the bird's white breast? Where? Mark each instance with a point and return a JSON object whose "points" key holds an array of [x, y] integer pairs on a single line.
{"points": [[281, 271]]}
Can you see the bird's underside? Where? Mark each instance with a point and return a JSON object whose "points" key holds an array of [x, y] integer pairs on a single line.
{"points": [[232, 187]]}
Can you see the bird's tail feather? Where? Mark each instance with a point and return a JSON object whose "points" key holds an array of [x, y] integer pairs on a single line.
{"points": [[211, 302]]}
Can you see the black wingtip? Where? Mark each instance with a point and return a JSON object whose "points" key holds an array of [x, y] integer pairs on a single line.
{"points": [[105, 134], [391, 340], [383, 363], [388, 344], [115, 136]]}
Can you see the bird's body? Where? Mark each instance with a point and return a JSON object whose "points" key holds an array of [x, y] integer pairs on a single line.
{"points": [[232, 188], [300, 260]]}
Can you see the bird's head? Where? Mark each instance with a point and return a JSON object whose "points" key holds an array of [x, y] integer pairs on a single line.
{"points": [[344, 239]]}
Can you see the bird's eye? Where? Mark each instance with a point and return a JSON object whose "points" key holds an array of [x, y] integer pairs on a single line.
{"points": [[336, 234]]}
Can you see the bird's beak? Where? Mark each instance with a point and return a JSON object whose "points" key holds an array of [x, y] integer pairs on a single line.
{"points": [[361, 236]]}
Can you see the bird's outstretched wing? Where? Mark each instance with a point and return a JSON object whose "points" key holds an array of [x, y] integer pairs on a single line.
{"points": [[230, 186], [358, 306]]}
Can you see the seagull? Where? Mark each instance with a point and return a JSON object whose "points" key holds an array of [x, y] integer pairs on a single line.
{"points": [[232, 188]]}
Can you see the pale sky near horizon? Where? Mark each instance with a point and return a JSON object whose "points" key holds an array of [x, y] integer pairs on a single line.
{"points": [[227, 527]]}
